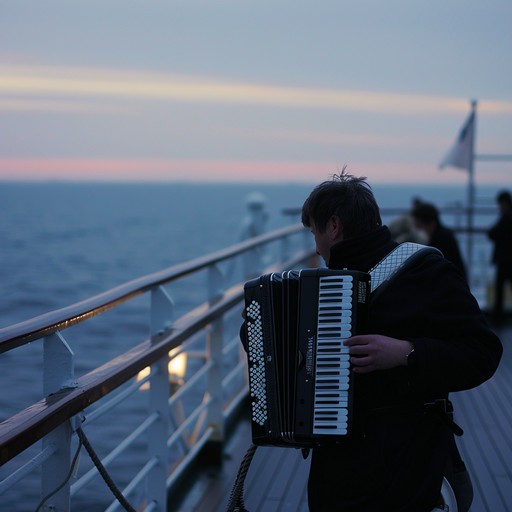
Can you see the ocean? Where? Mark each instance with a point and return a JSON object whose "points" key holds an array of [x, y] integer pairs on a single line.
{"points": [[61, 243]]}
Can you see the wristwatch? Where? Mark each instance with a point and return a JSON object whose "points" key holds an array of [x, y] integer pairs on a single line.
{"points": [[411, 360]]}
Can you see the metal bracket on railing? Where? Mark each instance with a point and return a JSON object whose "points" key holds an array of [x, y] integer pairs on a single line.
{"points": [[162, 312], [58, 364], [77, 421]]}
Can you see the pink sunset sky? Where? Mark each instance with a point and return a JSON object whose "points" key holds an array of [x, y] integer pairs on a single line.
{"points": [[201, 91]]}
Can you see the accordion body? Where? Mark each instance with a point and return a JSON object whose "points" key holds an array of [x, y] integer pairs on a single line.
{"points": [[300, 380]]}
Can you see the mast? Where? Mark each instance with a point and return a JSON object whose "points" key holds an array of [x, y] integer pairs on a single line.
{"points": [[471, 188], [462, 156]]}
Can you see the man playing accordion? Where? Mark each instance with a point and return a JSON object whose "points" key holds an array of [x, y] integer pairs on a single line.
{"points": [[426, 338]]}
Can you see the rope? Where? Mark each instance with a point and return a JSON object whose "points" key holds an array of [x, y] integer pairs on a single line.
{"points": [[236, 500], [103, 472]]}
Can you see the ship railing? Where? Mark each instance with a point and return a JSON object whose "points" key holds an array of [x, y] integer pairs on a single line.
{"points": [[187, 414]]}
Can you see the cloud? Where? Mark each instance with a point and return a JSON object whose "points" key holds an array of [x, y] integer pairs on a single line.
{"points": [[15, 104], [134, 85], [352, 139]]}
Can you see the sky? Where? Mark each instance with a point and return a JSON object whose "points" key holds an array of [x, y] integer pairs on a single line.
{"points": [[249, 91]]}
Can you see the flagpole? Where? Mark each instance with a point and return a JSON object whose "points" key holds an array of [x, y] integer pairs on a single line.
{"points": [[471, 190], [462, 155]]}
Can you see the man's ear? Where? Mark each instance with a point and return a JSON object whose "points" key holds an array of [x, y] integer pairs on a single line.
{"points": [[335, 229]]}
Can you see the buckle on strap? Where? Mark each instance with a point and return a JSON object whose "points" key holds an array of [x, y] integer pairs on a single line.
{"points": [[443, 408]]}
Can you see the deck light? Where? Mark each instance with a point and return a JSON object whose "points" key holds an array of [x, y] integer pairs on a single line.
{"points": [[177, 368]]}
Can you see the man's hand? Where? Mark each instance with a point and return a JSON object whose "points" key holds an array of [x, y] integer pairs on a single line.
{"points": [[370, 352]]}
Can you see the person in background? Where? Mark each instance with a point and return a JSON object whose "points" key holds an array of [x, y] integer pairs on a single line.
{"points": [[501, 235], [253, 225], [425, 338], [426, 218], [402, 227]]}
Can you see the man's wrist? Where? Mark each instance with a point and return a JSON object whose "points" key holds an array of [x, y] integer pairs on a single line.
{"points": [[411, 359]]}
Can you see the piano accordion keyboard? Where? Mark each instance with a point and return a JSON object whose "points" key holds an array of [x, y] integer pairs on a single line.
{"points": [[332, 375]]}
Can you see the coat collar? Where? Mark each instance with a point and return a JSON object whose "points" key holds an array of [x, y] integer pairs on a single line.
{"points": [[363, 252]]}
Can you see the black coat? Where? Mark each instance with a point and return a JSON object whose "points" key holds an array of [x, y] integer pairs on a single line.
{"points": [[397, 460], [501, 234], [444, 240]]}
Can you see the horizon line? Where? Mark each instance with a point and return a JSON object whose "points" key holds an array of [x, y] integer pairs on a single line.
{"points": [[133, 182]]}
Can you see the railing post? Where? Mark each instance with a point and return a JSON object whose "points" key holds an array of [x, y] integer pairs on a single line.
{"points": [[58, 373], [214, 339], [162, 310]]}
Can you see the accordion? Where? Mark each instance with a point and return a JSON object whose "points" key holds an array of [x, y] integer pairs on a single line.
{"points": [[300, 380]]}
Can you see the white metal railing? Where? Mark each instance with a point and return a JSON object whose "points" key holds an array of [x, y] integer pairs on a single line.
{"points": [[183, 413]]}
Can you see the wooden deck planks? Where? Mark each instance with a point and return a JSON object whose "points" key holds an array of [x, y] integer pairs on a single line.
{"points": [[277, 478], [485, 414], [278, 481], [287, 488], [479, 452]]}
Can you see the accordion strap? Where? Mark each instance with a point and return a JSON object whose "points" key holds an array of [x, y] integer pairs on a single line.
{"points": [[398, 260]]}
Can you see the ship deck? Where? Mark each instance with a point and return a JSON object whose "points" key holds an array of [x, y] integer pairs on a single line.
{"points": [[277, 478]]}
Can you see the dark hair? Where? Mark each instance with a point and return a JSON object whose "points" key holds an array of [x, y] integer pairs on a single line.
{"points": [[346, 197], [426, 212], [504, 197]]}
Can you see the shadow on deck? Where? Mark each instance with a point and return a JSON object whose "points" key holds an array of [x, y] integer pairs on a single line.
{"points": [[277, 479]]}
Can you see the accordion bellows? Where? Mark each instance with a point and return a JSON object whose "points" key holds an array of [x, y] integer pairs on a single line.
{"points": [[300, 380]]}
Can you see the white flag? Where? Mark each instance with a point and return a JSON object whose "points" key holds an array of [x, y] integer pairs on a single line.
{"points": [[461, 153]]}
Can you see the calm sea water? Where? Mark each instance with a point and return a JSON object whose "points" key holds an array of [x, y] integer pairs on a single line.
{"points": [[61, 243]]}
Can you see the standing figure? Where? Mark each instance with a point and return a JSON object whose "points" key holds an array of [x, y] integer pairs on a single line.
{"points": [[501, 235], [426, 218], [426, 337], [253, 225]]}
